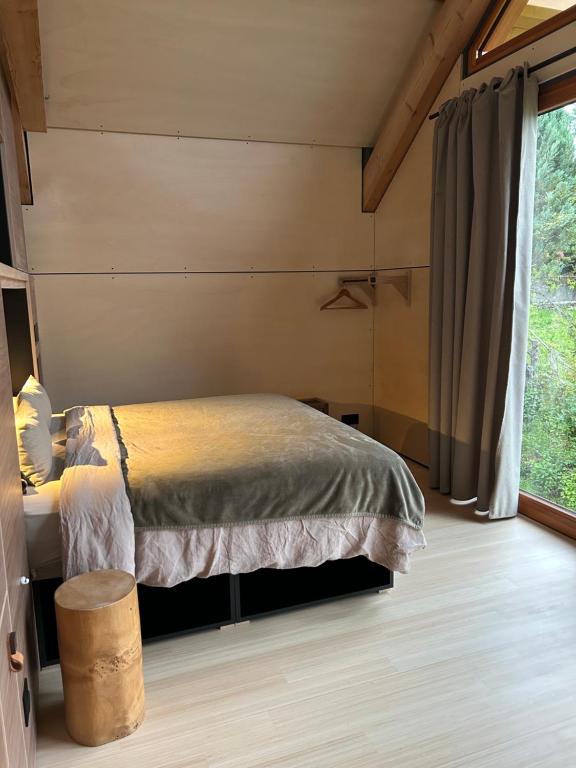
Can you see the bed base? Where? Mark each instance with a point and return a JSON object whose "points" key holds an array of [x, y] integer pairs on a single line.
{"points": [[224, 600]]}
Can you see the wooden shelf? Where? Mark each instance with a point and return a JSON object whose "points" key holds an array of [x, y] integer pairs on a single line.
{"points": [[10, 277]]}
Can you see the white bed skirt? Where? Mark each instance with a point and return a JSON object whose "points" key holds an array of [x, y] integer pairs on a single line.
{"points": [[168, 557]]}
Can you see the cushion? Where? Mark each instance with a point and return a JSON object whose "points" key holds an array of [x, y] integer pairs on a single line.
{"points": [[36, 395], [34, 444]]}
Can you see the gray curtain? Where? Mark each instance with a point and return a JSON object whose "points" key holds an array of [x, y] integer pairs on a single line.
{"points": [[482, 211]]}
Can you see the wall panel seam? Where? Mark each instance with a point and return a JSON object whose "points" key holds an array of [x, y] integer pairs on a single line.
{"points": [[243, 140], [347, 270]]}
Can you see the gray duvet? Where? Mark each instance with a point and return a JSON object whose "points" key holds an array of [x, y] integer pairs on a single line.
{"points": [[249, 459]]}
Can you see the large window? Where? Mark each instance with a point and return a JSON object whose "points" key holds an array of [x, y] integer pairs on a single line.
{"points": [[549, 441], [514, 24]]}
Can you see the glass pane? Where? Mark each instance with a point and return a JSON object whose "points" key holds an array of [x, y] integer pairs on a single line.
{"points": [[520, 16], [549, 443]]}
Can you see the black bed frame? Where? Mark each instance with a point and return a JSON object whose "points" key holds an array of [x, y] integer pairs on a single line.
{"points": [[220, 600]]}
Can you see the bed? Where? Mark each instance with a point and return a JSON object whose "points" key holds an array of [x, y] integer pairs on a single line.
{"points": [[223, 490]]}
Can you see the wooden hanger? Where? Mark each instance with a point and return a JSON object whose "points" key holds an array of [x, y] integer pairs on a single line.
{"points": [[344, 293]]}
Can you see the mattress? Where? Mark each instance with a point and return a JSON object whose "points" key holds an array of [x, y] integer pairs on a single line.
{"points": [[42, 520], [42, 512]]}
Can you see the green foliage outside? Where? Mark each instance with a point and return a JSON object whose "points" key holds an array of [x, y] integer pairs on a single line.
{"points": [[549, 442]]}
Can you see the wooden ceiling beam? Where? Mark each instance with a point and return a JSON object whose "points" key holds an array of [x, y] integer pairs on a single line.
{"points": [[453, 25], [21, 60]]}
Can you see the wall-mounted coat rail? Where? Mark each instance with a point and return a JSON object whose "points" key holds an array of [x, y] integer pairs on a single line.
{"points": [[368, 285], [402, 282]]}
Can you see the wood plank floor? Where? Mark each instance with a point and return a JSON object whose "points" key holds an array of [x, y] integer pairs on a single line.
{"points": [[469, 661]]}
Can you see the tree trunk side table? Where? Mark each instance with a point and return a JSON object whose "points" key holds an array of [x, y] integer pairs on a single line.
{"points": [[100, 656]]}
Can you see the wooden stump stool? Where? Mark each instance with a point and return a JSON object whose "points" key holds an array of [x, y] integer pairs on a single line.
{"points": [[100, 656]]}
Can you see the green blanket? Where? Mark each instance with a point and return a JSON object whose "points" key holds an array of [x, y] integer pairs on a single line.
{"points": [[223, 461]]}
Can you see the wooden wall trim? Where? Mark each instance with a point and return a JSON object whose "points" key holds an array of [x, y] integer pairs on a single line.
{"points": [[22, 61], [21, 157], [10, 275], [548, 514], [449, 34]]}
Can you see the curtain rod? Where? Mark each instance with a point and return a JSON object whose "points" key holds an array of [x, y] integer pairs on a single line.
{"points": [[535, 68]]}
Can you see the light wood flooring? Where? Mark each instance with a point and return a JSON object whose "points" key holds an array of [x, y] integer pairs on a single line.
{"points": [[470, 661]]}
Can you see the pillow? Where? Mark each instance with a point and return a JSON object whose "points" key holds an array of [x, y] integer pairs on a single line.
{"points": [[34, 444], [34, 393]]}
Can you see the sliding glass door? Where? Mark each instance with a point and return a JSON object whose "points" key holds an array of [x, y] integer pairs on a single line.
{"points": [[549, 441]]}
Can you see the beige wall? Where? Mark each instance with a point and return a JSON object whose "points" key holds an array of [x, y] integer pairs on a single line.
{"points": [[123, 202], [320, 72], [402, 231], [134, 338], [203, 265]]}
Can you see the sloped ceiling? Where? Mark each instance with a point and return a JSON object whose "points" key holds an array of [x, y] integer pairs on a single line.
{"points": [[310, 71]]}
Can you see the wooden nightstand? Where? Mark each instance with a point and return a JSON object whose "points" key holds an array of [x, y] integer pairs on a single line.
{"points": [[317, 403]]}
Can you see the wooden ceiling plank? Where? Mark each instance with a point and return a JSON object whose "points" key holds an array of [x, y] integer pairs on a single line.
{"points": [[451, 30], [21, 60]]}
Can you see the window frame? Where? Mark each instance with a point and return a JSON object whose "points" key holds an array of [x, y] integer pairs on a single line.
{"points": [[473, 63], [552, 95], [548, 514], [557, 93]]}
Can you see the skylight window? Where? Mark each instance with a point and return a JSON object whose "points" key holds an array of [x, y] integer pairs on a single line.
{"points": [[512, 24]]}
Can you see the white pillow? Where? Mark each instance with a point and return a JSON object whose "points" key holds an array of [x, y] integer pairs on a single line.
{"points": [[34, 444], [36, 395]]}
